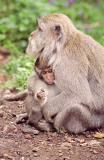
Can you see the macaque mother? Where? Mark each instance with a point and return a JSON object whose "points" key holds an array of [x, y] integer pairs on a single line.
{"points": [[78, 64]]}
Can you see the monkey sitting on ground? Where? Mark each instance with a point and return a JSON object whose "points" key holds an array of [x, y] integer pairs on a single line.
{"points": [[78, 64], [41, 88]]}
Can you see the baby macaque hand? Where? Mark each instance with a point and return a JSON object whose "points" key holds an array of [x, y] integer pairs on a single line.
{"points": [[41, 97]]}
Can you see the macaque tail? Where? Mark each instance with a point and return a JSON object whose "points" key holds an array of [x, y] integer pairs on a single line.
{"points": [[19, 96]]}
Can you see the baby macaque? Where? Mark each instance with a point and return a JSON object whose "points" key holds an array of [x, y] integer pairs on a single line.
{"points": [[40, 91], [41, 88], [48, 77]]}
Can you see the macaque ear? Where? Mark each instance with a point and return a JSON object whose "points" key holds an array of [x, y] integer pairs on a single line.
{"points": [[41, 24], [58, 31]]}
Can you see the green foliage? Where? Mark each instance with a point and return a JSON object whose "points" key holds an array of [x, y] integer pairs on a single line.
{"points": [[18, 18], [18, 70]]}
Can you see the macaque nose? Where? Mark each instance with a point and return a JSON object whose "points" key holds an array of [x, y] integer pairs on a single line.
{"points": [[48, 77]]}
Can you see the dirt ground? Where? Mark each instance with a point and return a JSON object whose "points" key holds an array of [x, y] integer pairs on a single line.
{"points": [[18, 142]]}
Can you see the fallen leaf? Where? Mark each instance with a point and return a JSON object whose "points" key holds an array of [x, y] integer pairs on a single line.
{"points": [[99, 135]]}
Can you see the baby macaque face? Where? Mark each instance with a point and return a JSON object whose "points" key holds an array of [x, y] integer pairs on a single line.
{"points": [[48, 75]]}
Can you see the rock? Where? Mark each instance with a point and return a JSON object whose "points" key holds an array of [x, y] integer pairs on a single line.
{"points": [[22, 158], [35, 149], [28, 136], [95, 152], [81, 140], [6, 156], [30, 130], [93, 143], [10, 128], [69, 139], [36, 155], [60, 154], [1, 113], [83, 144], [65, 145], [1, 106], [66, 158]]}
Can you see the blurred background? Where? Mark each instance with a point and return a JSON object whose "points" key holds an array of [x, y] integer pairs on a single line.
{"points": [[18, 19]]}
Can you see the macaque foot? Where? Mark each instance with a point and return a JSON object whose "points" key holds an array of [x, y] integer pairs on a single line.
{"points": [[21, 118], [45, 126], [60, 130]]}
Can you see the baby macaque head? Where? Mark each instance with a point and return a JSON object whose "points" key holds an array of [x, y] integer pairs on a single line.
{"points": [[44, 71], [48, 75]]}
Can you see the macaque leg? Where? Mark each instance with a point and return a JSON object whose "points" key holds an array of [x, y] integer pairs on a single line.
{"points": [[75, 119], [35, 114], [43, 125], [34, 117], [33, 109], [53, 106]]}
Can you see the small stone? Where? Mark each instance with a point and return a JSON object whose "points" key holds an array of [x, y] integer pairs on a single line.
{"points": [[66, 158], [59, 151], [60, 154], [80, 140], [69, 139], [65, 145], [1, 113], [30, 131], [10, 128], [83, 144], [35, 155], [6, 156], [95, 152], [35, 149], [1, 106], [22, 158], [93, 143], [28, 136]]}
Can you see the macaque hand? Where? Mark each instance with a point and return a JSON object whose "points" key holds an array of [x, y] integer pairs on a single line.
{"points": [[41, 97]]}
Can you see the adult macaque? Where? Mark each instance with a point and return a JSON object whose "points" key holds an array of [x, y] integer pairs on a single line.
{"points": [[78, 64]]}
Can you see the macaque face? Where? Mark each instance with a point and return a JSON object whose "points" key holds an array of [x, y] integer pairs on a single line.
{"points": [[48, 75]]}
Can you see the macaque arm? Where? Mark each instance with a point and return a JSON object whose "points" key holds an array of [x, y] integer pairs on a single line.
{"points": [[33, 109], [78, 92], [52, 107], [73, 80]]}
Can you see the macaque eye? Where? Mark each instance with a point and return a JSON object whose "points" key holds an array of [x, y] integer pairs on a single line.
{"points": [[44, 72], [50, 71]]}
